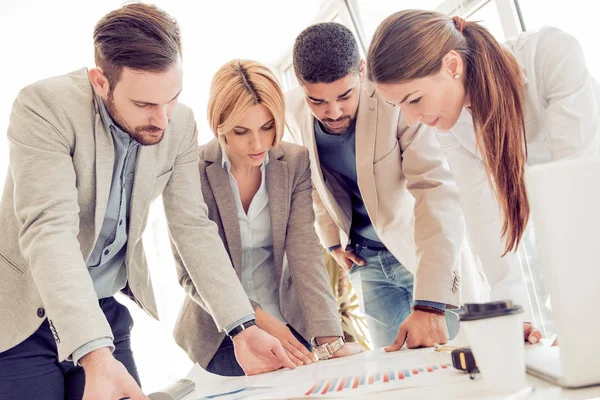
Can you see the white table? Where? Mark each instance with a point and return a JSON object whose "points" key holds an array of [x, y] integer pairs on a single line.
{"points": [[443, 384]]}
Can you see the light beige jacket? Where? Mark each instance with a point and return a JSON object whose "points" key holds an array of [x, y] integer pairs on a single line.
{"points": [[305, 296], [409, 194], [53, 206]]}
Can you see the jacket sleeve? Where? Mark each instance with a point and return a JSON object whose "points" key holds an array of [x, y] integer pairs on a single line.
{"points": [[306, 261], [571, 96], [325, 226], [46, 205], [484, 223], [439, 223], [210, 279]]}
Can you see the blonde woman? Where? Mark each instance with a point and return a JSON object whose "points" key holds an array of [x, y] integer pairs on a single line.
{"points": [[258, 192]]}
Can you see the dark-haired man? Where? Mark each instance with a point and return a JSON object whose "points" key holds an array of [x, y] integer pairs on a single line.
{"points": [[385, 201], [89, 151]]}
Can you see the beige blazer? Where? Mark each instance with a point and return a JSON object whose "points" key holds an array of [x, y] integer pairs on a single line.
{"points": [[306, 300], [53, 206], [562, 121], [409, 194]]}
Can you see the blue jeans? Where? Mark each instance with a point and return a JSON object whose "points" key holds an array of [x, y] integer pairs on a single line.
{"points": [[385, 292], [224, 362], [31, 370]]}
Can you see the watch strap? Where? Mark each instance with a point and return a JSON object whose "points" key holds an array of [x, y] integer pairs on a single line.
{"points": [[240, 328], [326, 350]]}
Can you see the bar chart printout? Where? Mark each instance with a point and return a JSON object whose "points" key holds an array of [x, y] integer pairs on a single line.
{"points": [[351, 382]]}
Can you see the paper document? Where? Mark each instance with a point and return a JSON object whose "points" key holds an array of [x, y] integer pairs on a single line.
{"points": [[364, 373]]}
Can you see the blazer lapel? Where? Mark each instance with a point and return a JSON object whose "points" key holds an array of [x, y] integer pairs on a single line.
{"points": [[277, 182], [308, 138], [105, 159], [218, 179], [366, 132]]}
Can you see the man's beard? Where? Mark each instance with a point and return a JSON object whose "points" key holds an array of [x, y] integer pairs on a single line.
{"points": [[136, 133], [341, 130]]}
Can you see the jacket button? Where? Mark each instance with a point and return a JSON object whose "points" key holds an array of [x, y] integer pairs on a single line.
{"points": [[41, 312]]}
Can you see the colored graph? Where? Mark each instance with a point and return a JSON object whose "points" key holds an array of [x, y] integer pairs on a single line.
{"points": [[326, 386]]}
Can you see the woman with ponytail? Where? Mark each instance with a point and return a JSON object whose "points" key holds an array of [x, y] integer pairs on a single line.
{"points": [[494, 108]]}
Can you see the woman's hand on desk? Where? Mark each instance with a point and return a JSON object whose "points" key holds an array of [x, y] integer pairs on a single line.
{"points": [[531, 334], [294, 349], [348, 349]]}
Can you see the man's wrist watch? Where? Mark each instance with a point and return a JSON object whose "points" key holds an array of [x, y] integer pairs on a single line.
{"points": [[240, 328], [326, 350]]}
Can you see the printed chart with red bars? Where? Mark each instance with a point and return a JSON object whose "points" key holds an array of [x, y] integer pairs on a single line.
{"points": [[336, 385]]}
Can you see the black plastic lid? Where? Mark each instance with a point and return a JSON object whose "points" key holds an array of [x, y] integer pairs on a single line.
{"points": [[475, 311]]}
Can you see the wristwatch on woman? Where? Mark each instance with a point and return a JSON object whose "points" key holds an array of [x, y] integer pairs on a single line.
{"points": [[326, 350]]}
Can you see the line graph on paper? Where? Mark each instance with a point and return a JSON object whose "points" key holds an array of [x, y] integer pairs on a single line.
{"points": [[352, 382]]}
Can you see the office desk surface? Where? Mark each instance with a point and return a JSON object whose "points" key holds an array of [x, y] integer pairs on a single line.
{"points": [[409, 374]]}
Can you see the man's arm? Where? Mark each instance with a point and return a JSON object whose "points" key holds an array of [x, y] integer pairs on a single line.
{"points": [[210, 280], [46, 205]]}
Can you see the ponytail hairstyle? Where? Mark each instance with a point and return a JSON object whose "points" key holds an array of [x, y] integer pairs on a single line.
{"points": [[411, 44]]}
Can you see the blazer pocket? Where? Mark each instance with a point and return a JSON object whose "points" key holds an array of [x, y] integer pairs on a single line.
{"points": [[392, 159], [11, 264], [160, 183]]}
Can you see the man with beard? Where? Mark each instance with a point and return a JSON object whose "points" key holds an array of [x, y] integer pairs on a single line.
{"points": [[385, 202], [89, 151]]}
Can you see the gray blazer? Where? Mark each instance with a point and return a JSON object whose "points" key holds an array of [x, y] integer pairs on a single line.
{"points": [[53, 206], [305, 296]]}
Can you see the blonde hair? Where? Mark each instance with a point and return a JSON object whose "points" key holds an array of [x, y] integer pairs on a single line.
{"points": [[239, 85]]}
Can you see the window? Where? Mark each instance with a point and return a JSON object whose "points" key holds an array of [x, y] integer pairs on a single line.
{"points": [[371, 13], [577, 17], [487, 15]]}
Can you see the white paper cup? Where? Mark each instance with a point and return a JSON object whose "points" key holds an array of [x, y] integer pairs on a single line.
{"points": [[496, 340]]}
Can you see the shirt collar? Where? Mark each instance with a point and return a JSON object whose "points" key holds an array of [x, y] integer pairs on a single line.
{"points": [[112, 127]]}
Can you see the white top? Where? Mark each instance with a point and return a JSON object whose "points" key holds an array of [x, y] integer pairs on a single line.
{"points": [[562, 120], [258, 264]]}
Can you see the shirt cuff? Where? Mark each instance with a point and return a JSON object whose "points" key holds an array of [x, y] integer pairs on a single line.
{"points": [[332, 248], [433, 304], [237, 323], [91, 346]]}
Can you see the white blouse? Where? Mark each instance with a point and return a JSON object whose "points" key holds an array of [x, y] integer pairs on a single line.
{"points": [[258, 264], [562, 120]]}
